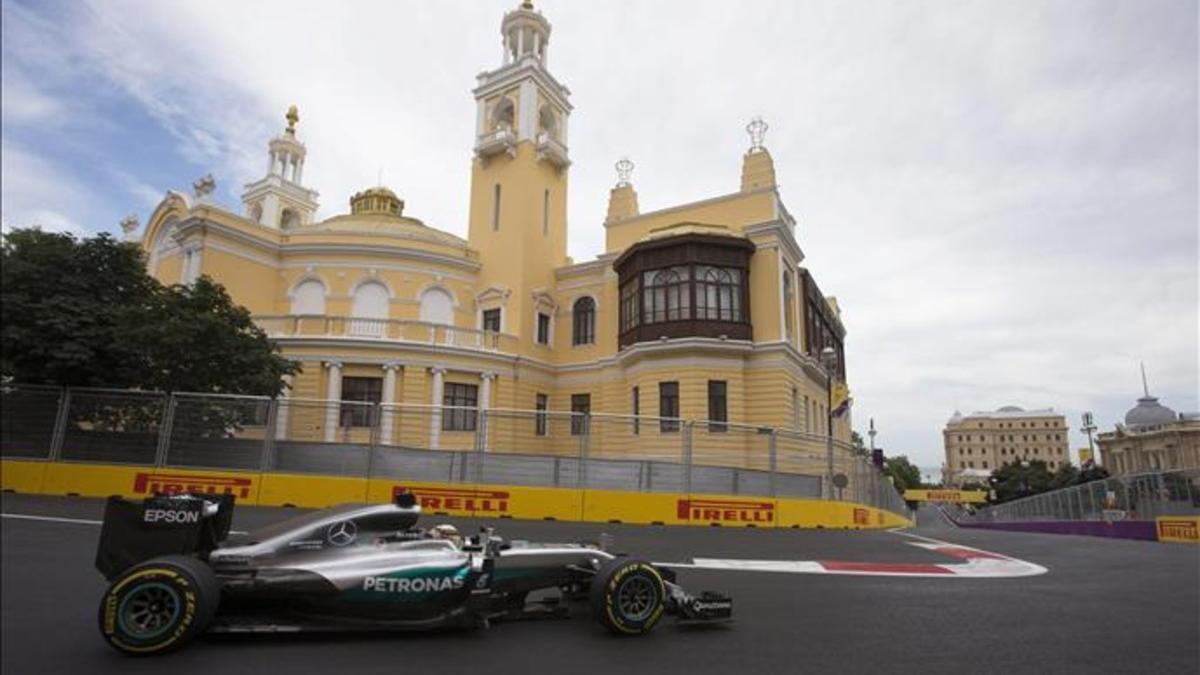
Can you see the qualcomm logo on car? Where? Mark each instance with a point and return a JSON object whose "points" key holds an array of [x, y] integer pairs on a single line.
{"points": [[413, 585]]}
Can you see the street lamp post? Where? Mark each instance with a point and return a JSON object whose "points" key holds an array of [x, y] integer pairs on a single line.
{"points": [[829, 361]]}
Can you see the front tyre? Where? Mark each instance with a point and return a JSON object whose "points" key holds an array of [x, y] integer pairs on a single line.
{"points": [[628, 596], [159, 605]]}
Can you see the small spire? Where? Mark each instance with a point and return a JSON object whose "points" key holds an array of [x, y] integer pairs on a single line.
{"points": [[292, 117], [129, 226], [1145, 387], [527, 5], [757, 129], [624, 171]]}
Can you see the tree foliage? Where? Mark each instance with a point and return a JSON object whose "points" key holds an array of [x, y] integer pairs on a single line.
{"points": [[83, 312], [857, 446], [905, 475]]}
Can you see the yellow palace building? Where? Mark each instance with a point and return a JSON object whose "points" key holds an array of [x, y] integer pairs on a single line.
{"points": [[700, 311]]}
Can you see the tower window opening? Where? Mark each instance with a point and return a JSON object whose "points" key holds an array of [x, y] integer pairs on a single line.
{"points": [[546, 213], [496, 209]]}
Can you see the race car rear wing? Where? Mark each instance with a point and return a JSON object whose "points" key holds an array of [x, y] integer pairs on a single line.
{"points": [[188, 524]]}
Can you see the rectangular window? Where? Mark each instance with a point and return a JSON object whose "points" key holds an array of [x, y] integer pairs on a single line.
{"points": [[543, 328], [795, 409], [546, 213], [718, 406], [496, 210], [636, 405], [581, 405], [361, 390], [629, 305], [491, 319], [460, 400], [668, 406], [541, 421]]}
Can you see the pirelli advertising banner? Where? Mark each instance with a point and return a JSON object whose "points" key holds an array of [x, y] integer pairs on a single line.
{"points": [[956, 496], [450, 499], [1178, 529]]}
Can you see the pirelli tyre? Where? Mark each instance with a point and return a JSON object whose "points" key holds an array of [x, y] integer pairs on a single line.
{"points": [[628, 596], [159, 605]]}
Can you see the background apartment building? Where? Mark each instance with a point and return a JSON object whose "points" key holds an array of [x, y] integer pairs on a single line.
{"points": [[978, 443]]}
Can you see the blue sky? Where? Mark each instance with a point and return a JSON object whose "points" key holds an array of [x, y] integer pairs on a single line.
{"points": [[1003, 196]]}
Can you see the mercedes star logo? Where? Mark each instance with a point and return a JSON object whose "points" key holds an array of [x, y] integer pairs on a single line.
{"points": [[342, 533]]}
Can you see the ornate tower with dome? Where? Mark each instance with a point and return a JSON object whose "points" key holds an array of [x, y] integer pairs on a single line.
{"points": [[699, 310], [1153, 438]]}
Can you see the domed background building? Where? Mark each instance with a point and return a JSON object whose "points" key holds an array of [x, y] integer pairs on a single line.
{"points": [[700, 310], [1153, 438]]}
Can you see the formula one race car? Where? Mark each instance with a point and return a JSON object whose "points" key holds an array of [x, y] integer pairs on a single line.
{"points": [[174, 576]]}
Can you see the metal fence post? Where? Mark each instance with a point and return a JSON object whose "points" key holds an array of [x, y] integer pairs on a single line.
{"points": [[164, 432], [773, 459], [60, 425], [584, 439], [373, 439], [686, 438], [268, 446]]}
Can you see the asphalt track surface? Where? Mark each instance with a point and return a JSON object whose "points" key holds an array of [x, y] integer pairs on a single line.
{"points": [[1102, 607]]}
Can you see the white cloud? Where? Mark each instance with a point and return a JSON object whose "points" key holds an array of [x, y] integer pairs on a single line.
{"points": [[37, 192], [1001, 195]]}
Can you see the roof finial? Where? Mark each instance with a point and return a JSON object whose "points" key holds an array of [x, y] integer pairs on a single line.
{"points": [[1145, 387], [757, 129], [293, 116], [624, 171], [527, 5]]}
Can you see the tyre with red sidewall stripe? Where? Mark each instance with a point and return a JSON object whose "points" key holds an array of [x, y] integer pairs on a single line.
{"points": [[159, 606], [628, 596]]}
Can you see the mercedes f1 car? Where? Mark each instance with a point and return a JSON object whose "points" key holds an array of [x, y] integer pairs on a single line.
{"points": [[175, 573]]}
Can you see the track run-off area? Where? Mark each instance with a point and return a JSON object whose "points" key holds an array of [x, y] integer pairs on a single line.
{"points": [[929, 599]]}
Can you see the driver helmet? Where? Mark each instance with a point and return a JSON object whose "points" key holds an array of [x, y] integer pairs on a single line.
{"points": [[448, 532]]}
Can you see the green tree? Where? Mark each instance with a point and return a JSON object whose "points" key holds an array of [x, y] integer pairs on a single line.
{"points": [[1065, 476], [85, 313], [857, 446], [1021, 479], [905, 475]]}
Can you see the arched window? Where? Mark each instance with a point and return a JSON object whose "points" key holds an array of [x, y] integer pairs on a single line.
{"points": [[309, 298], [437, 306], [547, 122], [504, 114], [288, 219], [256, 213], [369, 309], [666, 295], [584, 318], [718, 293]]}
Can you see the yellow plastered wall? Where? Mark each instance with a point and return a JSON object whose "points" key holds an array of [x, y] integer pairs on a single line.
{"points": [[735, 211]]}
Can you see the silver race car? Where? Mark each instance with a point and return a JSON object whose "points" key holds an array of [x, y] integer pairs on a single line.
{"points": [[175, 574]]}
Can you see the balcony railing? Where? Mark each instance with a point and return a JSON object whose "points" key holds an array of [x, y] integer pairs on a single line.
{"points": [[550, 149], [385, 330], [496, 142]]}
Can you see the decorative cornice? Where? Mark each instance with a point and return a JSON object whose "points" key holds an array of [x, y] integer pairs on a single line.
{"points": [[690, 205], [782, 233]]}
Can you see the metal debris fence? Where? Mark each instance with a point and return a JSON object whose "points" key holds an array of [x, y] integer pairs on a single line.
{"points": [[1142, 496], [433, 443]]}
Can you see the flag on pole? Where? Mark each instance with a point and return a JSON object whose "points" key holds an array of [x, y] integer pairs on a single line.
{"points": [[841, 399]]}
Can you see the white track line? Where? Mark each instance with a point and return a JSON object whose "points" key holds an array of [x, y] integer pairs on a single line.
{"points": [[73, 521], [977, 564]]}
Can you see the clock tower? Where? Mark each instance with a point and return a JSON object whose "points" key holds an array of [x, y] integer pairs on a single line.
{"points": [[518, 207]]}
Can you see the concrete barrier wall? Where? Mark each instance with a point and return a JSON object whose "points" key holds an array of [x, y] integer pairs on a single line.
{"points": [[445, 498]]}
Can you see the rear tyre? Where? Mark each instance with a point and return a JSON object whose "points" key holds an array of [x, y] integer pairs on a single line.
{"points": [[628, 596], [159, 605]]}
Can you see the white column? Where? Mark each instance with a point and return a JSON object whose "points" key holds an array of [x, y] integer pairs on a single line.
{"points": [[281, 409], [520, 43], [299, 171], [537, 45], [333, 396], [270, 162], [507, 50], [388, 398], [435, 417]]}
